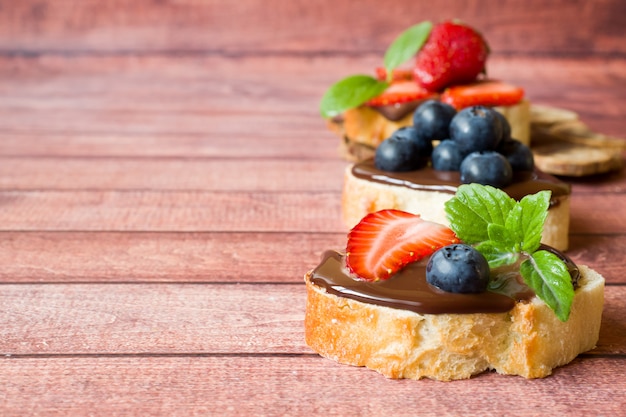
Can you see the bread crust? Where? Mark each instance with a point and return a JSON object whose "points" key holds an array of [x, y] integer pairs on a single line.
{"points": [[529, 340], [360, 197]]}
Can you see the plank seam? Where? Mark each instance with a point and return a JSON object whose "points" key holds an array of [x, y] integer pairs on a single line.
{"points": [[242, 54], [8, 356]]}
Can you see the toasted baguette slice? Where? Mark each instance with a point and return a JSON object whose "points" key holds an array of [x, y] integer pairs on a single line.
{"points": [[361, 197], [529, 340], [564, 145], [362, 129]]}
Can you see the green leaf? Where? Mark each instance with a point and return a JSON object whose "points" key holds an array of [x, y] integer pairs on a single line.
{"points": [[496, 254], [502, 230], [513, 224], [534, 214], [349, 93], [406, 45], [504, 236], [474, 207], [548, 276]]}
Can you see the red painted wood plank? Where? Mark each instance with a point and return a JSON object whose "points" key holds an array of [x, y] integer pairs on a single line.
{"points": [[195, 173], [206, 173], [53, 257], [596, 213], [180, 318], [292, 386], [253, 26], [228, 211], [174, 211], [180, 174], [602, 252], [163, 257], [112, 100], [40, 143], [234, 318]]}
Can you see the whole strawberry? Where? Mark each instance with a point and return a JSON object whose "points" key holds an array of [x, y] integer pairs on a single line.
{"points": [[453, 54]]}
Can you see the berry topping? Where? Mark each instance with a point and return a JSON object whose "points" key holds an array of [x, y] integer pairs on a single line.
{"points": [[519, 155], [400, 92], [476, 128], [398, 74], [454, 53], [458, 268], [432, 118], [506, 127], [485, 93], [447, 156], [385, 241], [486, 168], [405, 150]]}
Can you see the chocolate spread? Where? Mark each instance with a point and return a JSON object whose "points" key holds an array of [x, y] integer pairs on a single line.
{"points": [[428, 179], [409, 290], [398, 111]]}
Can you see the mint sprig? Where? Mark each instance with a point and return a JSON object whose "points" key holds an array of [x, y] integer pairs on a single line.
{"points": [[355, 90], [547, 275], [349, 93], [506, 232], [405, 46]]}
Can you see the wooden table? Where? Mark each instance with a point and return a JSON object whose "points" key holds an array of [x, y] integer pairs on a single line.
{"points": [[166, 181]]}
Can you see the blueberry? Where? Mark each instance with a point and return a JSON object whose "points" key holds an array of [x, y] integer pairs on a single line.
{"points": [[476, 128], [506, 126], [458, 268], [424, 143], [432, 118], [519, 155], [404, 150], [447, 156], [487, 168]]}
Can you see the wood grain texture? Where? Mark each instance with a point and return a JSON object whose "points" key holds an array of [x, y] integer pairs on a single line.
{"points": [[166, 180], [180, 174], [107, 257], [122, 257], [204, 173], [183, 211], [154, 106], [235, 386], [167, 318], [196, 211], [253, 26], [126, 319]]}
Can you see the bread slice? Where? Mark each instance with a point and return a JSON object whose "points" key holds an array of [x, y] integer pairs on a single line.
{"points": [[564, 145], [529, 340], [361, 196], [363, 128]]}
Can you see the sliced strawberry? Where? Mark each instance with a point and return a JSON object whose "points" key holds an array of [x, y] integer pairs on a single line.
{"points": [[398, 74], [400, 92], [385, 241], [486, 93]]}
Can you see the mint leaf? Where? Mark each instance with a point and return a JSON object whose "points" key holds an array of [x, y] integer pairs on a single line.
{"points": [[349, 93], [513, 224], [548, 276], [501, 234], [534, 213], [474, 207], [355, 90], [406, 45], [504, 230], [497, 254]]}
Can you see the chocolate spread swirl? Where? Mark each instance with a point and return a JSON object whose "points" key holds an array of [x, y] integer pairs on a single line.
{"points": [[428, 179], [409, 290]]}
